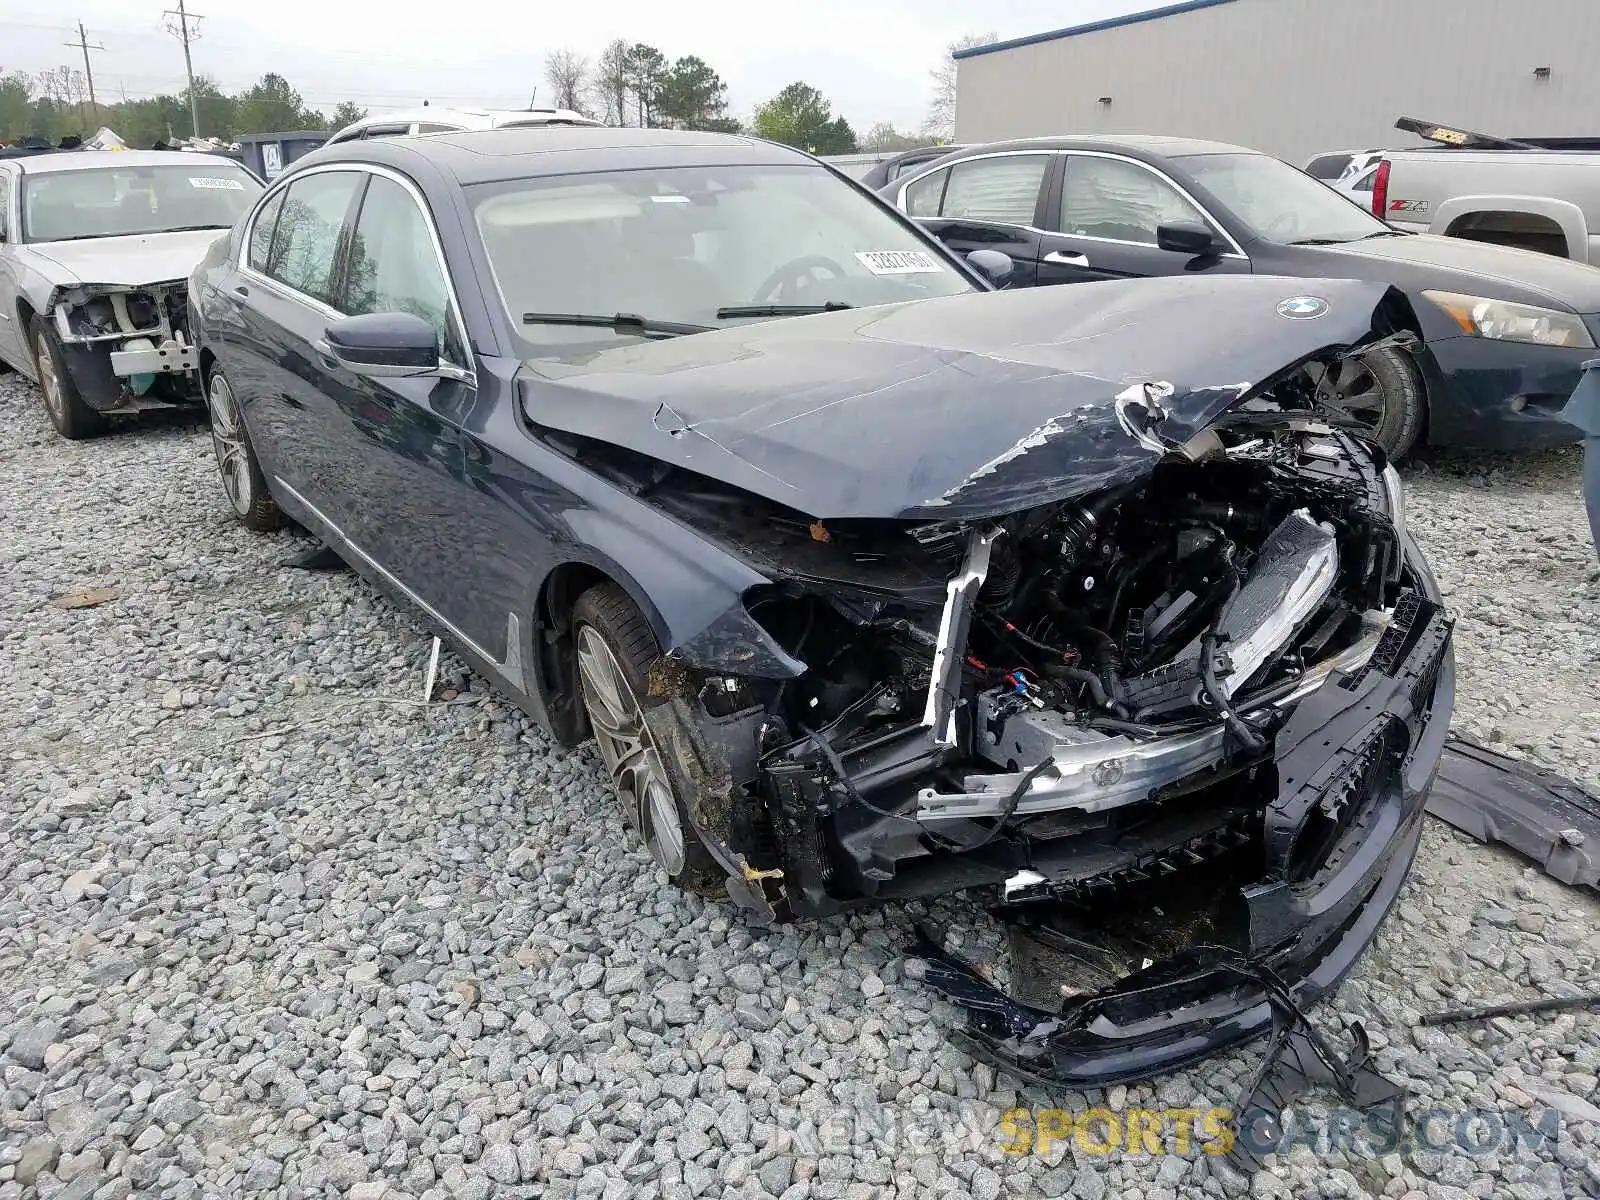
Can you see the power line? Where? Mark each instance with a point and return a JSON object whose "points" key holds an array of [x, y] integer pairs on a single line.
{"points": [[183, 34], [83, 44]]}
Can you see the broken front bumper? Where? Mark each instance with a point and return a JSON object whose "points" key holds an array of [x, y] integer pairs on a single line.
{"points": [[1364, 748]]}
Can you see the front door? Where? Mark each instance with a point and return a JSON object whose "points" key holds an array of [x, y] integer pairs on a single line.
{"points": [[13, 338], [1104, 220], [987, 203], [402, 437]]}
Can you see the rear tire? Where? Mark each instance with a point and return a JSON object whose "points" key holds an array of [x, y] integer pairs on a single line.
{"points": [[242, 478], [73, 419], [616, 649]]}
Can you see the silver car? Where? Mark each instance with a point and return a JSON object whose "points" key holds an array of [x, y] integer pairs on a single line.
{"points": [[96, 248]]}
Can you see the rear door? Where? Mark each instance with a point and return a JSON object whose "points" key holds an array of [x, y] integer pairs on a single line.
{"points": [[988, 203], [288, 292], [1104, 213]]}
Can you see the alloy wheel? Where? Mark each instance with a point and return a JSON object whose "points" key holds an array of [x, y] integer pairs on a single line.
{"points": [[49, 380], [630, 755], [227, 439], [1351, 387]]}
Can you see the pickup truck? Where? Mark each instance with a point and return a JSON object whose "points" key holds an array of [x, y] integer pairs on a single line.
{"points": [[1536, 194]]}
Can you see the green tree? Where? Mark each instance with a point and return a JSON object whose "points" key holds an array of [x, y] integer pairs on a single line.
{"points": [[217, 110], [645, 68], [691, 95], [16, 114], [801, 116], [273, 106], [347, 112]]}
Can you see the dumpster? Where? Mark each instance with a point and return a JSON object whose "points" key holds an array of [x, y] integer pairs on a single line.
{"points": [[269, 154]]}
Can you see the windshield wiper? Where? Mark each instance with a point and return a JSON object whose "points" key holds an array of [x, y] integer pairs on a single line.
{"points": [[780, 310], [622, 322], [191, 228], [1323, 241]]}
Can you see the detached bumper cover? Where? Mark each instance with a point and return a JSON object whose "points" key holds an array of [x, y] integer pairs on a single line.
{"points": [[1363, 750]]}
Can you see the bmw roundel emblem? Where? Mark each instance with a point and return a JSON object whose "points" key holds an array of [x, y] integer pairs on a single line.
{"points": [[1302, 308]]}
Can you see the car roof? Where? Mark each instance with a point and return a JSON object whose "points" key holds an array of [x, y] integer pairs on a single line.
{"points": [[485, 156], [1147, 145], [89, 160]]}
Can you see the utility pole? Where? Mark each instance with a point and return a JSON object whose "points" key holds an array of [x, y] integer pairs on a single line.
{"points": [[180, 18], [83, 44]]}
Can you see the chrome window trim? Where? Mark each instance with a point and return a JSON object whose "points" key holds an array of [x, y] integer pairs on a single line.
{"points": [[1235, 252], [467, 373]]}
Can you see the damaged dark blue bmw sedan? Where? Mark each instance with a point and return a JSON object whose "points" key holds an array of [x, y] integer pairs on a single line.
{"points": [[870, 583]]}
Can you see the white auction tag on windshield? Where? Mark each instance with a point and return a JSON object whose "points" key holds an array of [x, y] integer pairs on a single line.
{"points": [[221, 185], [899, 262]]}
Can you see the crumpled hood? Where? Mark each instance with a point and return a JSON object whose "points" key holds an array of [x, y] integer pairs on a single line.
{"points": [[123, 261], [958, 407]]}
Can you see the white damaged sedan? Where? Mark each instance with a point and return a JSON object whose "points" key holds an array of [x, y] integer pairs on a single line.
{"points": [[96, 248]]}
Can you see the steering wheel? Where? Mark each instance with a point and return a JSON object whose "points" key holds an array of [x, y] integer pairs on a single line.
{"points": [[798, 272], [1289, 218]]}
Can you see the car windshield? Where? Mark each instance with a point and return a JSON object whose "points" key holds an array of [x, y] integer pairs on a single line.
{"points": [[696, 247], [1278, 203], [115, 201]]}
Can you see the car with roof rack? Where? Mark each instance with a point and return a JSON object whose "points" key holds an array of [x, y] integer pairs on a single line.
{"points": [[411, 122]]}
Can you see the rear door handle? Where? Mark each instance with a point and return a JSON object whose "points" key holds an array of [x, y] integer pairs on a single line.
{"points": [[1063, 258]]}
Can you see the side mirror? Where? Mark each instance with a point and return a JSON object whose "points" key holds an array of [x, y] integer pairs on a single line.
{"points": [[1185, 238], [993, 265], [390, 345]]}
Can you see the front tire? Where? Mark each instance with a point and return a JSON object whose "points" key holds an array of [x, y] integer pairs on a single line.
{"points": [[242, 478], [1384, 391], [616, 649], [73, 419]]}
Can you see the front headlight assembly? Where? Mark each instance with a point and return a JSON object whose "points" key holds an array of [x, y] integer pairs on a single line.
{"points": [[1507, 321]]}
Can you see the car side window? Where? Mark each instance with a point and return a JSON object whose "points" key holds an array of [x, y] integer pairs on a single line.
{"points": [[309, 225], [393, 264], [261, 235], [1003, 189], [434, 127], [1364, 184], [923, 196], [5, 206], [1120, 201]]}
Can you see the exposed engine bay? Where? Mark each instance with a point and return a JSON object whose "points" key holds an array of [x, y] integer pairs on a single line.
{"points": [[128, 346], [1177, 723], [1091, 656]]}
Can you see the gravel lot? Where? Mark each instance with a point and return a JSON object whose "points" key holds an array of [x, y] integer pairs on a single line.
{"points": [[268, 927]]}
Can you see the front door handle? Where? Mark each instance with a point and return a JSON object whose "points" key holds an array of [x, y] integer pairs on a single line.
{"points": [[326, 354], [1063, 258]]}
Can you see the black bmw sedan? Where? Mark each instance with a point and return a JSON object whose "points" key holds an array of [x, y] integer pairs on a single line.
{"points": [[1507, 331], [869, 582]]}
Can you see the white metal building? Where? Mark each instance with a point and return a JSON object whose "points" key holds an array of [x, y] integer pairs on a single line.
{"points": [[1295, 77]]}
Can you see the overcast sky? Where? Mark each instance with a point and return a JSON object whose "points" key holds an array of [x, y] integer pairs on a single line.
{"points": [[871, 59]]}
